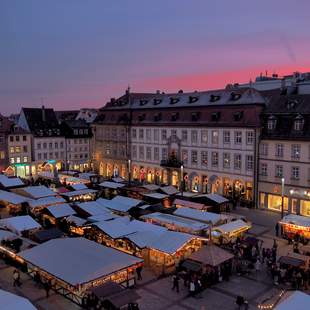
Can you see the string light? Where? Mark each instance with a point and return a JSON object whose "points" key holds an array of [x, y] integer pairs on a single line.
{"points": [[270, 306]]}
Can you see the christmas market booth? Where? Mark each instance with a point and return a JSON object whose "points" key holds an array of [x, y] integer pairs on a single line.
{"points": [[295, 225], [229, 232], [13, 203], [37, 205], [54, 214], [76, 265], [34, 192], [111, 188], [10, 183], [181, 203], [86, 194], [217, 202]]}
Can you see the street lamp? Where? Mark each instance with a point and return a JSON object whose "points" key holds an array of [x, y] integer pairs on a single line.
{"points": [[129, 172], [182, 179], [282, 200]]}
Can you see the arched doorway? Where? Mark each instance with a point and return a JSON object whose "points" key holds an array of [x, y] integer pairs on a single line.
{"points": [[150, 175], [204, 184], [194, 182], [165, 176], [142, 174], [101, 168], [109, 170], [175, 178], [214, 184], [135, 174], [115, 171]]}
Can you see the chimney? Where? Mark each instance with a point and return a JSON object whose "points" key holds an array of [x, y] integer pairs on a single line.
{"points": [[43, 114]]}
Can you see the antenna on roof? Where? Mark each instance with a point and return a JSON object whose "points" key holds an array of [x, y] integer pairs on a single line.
{"points": [[128, 90], [266, 72]]}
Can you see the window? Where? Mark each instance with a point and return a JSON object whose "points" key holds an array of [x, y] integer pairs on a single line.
{"points": [[39, 146], [295, 151], [156, 135], [24, 138], [17, 160], [194, 156], [173, 134], [12, 160], [148, 153], [194, 137], [272, 122], [11, 138], [238, 137], [264, 149], [39, 156], [56, 145], [299, 123], [85, 131], [215, 137], [12, 149], [62, 154], [76, 132], [214, 159], [156, 153], [141, 134], [226, 160], [295, 173], [148, 134], [184, 136], [249, 137], [279, 150], [25, 149], [134, 151], [204, 136], [185, 157], [226, 137], [56, 154], [279, 171], [2, 155], [164, 134], [80, 131], [249, 162], [17, 149], [134, 133], [164, 153], [50, 145], [237, 161], [51, 155], [61, 145], [263, 169], [204, 158], [17, 138]]}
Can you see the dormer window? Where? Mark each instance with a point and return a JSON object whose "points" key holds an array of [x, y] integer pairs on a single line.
{"points": [[238, 116], [174, 100], [157, 117], [192, 99], [174, 116], [157, 101], [141, 117], [272, 123], [235, 96], [214, 98], [299, 123], [143, 102], [195, 116], [215, 116]]}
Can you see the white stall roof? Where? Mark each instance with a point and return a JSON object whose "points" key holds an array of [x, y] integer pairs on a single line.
{"points": [[169, 190], [187, 194], [176, 221], [112, 185], [297, 301], [143, 239], [79, 186], [189, 204], [18, 224], [46, 201], [11, 301], [131, 202], [61, 210], [76, 220], [232, 226], [102, 217], [118, 180], [46, 175], [78, 260], [7, 235], [198, 215], [151, 187], [12, 198], [86, 175], [10, 182], [79, 192], [93, 208], [156, 195], [119, 203], [296, 220], [215, 197], [37, 192]]}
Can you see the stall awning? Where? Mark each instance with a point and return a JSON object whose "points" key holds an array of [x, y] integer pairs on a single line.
{"points": [[35, 192], [79, 186], [169, 190], [214, 197], [233, 226], [297, 300], [46, 201], [79, 192], [158, 196]]}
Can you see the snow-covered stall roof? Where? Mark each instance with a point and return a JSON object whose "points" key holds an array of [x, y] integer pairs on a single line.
{"points": [[174, 220], [12, 198], [296, 220], [93, 208], [102, 217], [76, 220], [112, 185], [7, 235], [189, 204], [202, 216], [118, 180], [86, 175], [10, 182], [232, 226], [214, 197], [11, 301], [61, 210], [297, 300], [79, 186], [46, 201], [169, 190], [151, 187], [78, 260], [119, 203], [18, 224], [156, 195], [79, 192], [36, 192]]}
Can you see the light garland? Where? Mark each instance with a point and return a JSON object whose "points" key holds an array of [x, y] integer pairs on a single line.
{"points": [[270, 306]]}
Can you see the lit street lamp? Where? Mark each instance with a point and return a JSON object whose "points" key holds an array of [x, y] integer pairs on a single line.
{"points": [[282, 200], [129, 172], [182, 179]]}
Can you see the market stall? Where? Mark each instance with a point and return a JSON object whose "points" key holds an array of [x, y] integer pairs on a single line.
{"points": [[44, 235], [76, 225], [75, 265], [229, 232], [37, 205], [13, 203], [80, 195], [9, 183], [295, 225], [218, 202], [35, 192], [55, 213], [177, 223], [11, 301], [169, 190], [180, 203], [294, 300], [90, 208]]}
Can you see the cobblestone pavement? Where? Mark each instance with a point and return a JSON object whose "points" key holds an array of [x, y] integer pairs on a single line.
{"points": [[156, 294]]}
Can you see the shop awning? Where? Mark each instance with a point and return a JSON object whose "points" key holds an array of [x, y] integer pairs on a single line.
{"points": [[292, 261]]}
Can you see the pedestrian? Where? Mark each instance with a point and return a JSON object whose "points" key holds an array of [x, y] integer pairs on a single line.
{"points": [[264, 254], [239, 301], [257, 266], [277, 229], [37, 278], [47, 287], [139, 271], [175, 280], [192, 289], [16, 278]]}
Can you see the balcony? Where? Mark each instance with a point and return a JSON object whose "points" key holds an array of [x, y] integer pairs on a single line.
{"points": [[171, 162]]}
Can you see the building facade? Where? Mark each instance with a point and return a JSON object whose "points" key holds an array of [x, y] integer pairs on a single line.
{"points": [[5, 127], [201, 141], [20, 152]]}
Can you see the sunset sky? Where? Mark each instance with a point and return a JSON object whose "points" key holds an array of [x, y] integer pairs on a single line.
{"points": [[79, 53]]}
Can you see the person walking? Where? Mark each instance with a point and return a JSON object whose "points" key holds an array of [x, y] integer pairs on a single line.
{"points": [[16, 278], [192, 289], [175, 280], [139, 271], [277, 229], [47, 287], [257, 267]]}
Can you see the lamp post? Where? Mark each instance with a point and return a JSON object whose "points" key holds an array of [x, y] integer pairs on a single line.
{"points": [[129, 172], [282, 196], [182, 179]]}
